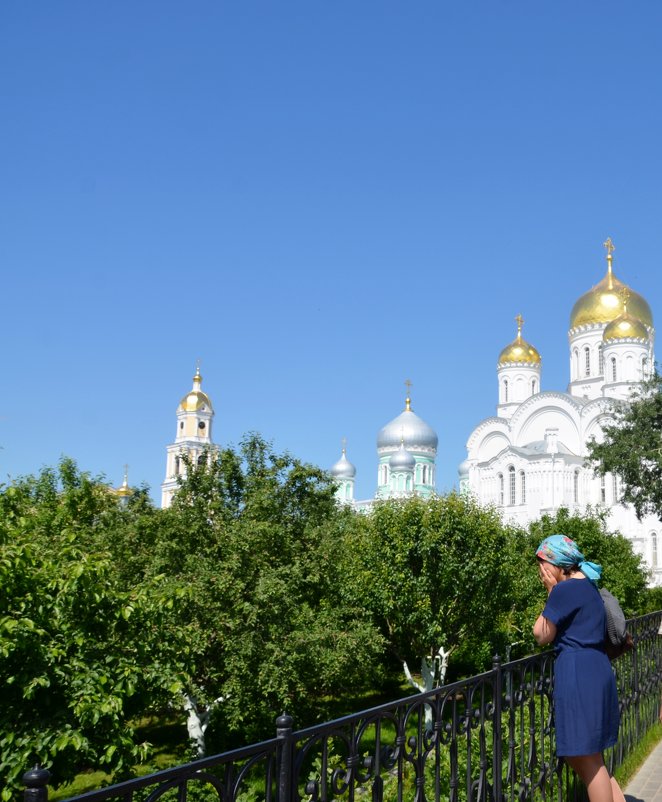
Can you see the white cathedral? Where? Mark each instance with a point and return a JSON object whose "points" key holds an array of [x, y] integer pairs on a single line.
{"points": [[529, 458]]}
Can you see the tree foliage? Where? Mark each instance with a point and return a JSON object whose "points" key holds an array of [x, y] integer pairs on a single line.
{"points": [[632, 449], [435, 573], [251, 540], [76, 663]]}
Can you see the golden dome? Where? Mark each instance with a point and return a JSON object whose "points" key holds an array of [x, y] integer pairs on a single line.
{"points": [[124, 491], [195, 399], [602, 303], [625, 326], [519, 350]]}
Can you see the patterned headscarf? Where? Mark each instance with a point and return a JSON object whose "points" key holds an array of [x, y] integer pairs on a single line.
{"points": [[563, 551]]}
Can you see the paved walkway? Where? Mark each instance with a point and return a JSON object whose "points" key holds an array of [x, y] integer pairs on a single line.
{"points": [[646, 785]]}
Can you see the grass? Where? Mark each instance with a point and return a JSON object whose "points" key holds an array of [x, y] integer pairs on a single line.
{"points": [[633, 762]]}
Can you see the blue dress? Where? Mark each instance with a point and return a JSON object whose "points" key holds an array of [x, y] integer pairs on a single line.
{"points": [[585, 702]]}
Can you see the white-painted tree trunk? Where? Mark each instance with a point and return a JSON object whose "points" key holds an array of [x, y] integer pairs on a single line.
{"points": [[197, 722], [433, 674]]}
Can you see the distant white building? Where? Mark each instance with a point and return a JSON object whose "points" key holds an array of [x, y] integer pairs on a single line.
{"points": [[193, 438], [529, 458], [406, 455]]}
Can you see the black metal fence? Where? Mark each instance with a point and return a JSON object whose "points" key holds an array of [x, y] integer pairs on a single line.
{"points": [[488, 738]]}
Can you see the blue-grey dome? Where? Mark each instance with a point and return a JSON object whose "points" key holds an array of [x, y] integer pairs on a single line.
{"points": [[463, 468], [402, 460], [343, 469], [417, 434]]}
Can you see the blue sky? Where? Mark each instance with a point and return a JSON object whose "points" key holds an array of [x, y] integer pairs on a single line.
{"points": [[318, 200]]}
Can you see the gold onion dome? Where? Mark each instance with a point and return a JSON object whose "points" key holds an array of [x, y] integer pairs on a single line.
{"points": [[195, 399], [519, 351], [124, 491], [625, 326], [602, 303]]}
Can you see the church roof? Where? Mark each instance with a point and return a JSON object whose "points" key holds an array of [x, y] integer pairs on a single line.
{"points": [[602, 303]]}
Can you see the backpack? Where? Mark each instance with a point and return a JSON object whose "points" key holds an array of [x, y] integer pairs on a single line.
{"points": [[617, 639]]}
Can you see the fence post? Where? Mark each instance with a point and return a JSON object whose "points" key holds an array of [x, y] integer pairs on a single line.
{"points": [[36, 784], [637, 699], [285, 756], [496, 728]]}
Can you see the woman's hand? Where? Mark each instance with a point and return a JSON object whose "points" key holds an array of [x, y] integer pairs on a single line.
{"points": [[547, 575]]}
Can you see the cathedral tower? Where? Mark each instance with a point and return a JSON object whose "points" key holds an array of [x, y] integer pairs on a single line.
{"points": [[193, 437], [590, 316], [518, 373]]}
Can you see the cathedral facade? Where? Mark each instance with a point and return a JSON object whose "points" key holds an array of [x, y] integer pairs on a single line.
{"points": [[529, 459]]}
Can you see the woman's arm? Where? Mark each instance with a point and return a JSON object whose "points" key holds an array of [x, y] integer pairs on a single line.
{"points": [[544, 631]]}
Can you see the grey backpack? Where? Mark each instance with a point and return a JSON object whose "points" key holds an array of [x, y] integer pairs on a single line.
{"points": [[618, 640]]}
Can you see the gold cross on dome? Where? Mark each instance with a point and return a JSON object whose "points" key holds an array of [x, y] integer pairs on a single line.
{"points": [[609, 245], [408, 385], [625, 294], [520, 322]]}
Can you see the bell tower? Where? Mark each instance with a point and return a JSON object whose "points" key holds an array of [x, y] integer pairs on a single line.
{"points": [[192, 439]]}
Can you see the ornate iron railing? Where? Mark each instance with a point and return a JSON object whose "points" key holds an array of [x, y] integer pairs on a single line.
{"points": [[488, 738]]}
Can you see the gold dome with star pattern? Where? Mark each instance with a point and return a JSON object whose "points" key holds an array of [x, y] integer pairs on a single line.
{"points": [[602, 303], [519, 351]]}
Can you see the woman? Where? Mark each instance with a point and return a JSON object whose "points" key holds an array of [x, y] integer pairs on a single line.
{"points": [[585, 702]]}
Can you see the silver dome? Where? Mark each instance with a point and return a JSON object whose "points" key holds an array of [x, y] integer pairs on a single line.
{"points": [[415, 431], [402, 460], [463, 468], [343, 469]]}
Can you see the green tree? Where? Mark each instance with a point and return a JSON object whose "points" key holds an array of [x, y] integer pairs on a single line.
{"points": [[436, 575], [76, 657], [632, 449], [251, 541]]}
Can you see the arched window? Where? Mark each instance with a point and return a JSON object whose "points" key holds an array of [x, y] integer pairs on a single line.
{"points": [[424, 477], [505, 391], [644, 367], [616, 496], [576, 355], [613, 368], [177, 466], [603, 490], [575, 487], [587, 361], [533, 387], [654, 549], [522, 487], [500, 483], [511, 485], [601, 361], [201, 459]]}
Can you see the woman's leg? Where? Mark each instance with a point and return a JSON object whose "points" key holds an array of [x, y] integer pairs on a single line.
{"points": [[594, 774], [616, 792]]}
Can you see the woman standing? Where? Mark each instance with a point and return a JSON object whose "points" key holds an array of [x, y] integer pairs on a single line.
{"points": [[585, 703]]}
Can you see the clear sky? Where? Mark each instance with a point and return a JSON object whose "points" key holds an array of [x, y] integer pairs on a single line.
{"points": [[318, 199]]}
